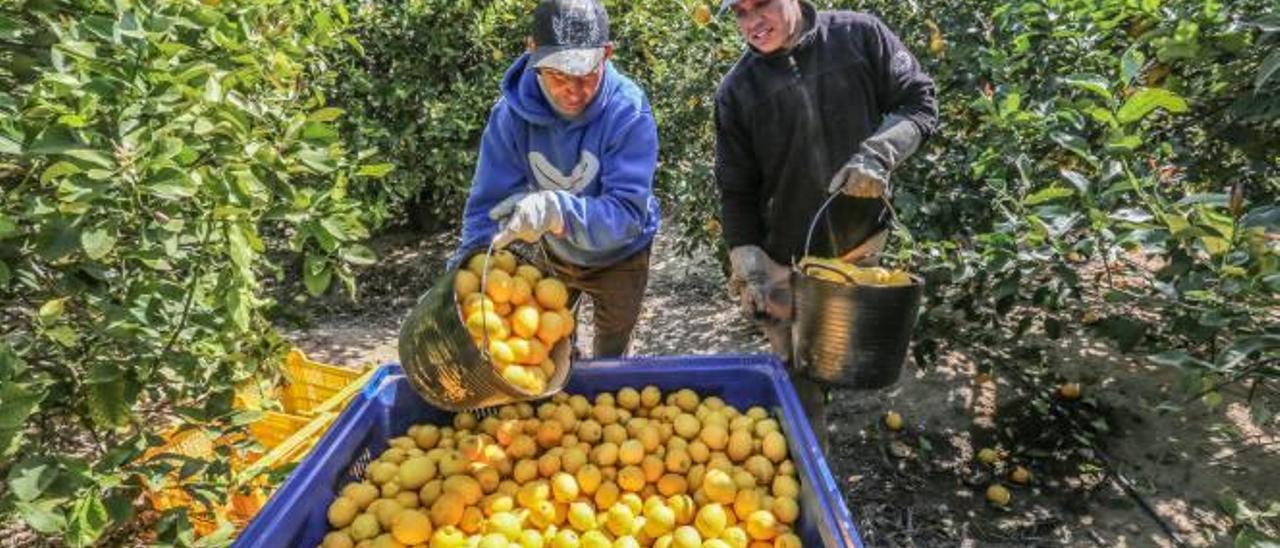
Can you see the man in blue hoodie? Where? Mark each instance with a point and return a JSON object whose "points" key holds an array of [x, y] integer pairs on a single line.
{"points": [[568, 159]]}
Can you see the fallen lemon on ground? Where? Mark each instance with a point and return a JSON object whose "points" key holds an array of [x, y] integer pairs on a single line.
{"points": [[999, 495], [893, 421]]}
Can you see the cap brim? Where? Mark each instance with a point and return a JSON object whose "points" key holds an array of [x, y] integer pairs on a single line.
{"points": [[726, 4], [572, 61]]}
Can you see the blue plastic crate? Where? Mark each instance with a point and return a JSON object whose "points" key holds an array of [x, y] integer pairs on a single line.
{"points": [[295, 515]]}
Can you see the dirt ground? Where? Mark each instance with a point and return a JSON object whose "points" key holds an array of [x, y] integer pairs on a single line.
{"points": [[922, 486]]}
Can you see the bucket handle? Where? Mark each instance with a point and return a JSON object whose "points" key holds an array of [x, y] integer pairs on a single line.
{"points": [[805, 270], [808, 239]]}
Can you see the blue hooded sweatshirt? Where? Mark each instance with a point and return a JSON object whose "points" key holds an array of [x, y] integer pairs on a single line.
{"points": [[601, 164]]}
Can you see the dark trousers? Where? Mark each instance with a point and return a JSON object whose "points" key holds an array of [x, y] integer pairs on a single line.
{"points": [[616, 291]]}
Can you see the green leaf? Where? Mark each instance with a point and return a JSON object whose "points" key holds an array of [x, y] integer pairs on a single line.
{"points": [[238, 247], [1075, 144], [1047, 195], [5, 275], [29, 478], [375, 171], [328, 114], [97, 243], [17, 403], [1253, 538], [52, 309], [317, 160], [60, 169], [238, 305], [94, 157], [316, 274], [106, 396], [1210, 198], [7, 227], [336, 228], [358, 255], [1131, 63], [1090, 82], [1270, 67], [1077, 180], [43, 516], [1146, 101], [88, 521]]}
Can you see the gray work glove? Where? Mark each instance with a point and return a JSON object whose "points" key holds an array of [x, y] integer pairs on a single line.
{"points": [[527, 217], [866, 175], [764, 287]]}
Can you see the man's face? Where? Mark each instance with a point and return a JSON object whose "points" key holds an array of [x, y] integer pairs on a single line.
{"points": [[768, 25], [571, 94]]}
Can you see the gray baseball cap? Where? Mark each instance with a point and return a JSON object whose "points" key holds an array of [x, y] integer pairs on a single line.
{"points": [[569, 35]]}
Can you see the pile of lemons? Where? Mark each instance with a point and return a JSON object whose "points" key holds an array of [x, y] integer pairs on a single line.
{"points": [[517, 316], [632, 468], [834, 270]]}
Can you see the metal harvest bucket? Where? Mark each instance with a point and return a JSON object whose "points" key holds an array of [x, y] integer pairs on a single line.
{"points": [[851, 335], [443, 363]]}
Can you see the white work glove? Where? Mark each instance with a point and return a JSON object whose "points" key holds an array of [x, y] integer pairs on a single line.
{"points": [[866, 175], [527, 217], [764, 287]]}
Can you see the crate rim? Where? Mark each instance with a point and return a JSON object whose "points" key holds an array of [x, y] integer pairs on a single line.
{"points": [[837, 513]]}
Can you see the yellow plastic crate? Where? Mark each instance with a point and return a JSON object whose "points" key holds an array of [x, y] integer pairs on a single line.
{"points": [[313, 395], [310, 387]]}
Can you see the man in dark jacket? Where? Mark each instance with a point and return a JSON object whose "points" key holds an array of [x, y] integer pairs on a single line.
{"points": [[820, 103]]}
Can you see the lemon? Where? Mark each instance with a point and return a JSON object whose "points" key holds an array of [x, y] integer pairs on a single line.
{"points": [[787, 540], [621, 520], [631, 452], [465, 283], [447, 509], [786, 509], [711, 520], [529, 273], [631, 478], [565, 539], [521, 291], [337, 539], [998, 495], [774, 446], [504, 523], [551, 293], [762, 525], [893, 421], [719, 486], [686, 537], [504, 260], [498, 286], [1020, 475], [411, 527], [481, 323], [342, 511], [582, 517], [564, 488], [786, 486], [361, 493]]}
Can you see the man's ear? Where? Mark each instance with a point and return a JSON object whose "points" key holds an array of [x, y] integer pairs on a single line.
{"points": [[528, 43], [608, 51]]}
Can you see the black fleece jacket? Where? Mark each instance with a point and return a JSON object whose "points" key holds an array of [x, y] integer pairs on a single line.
{"points": [[787, 121]]}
